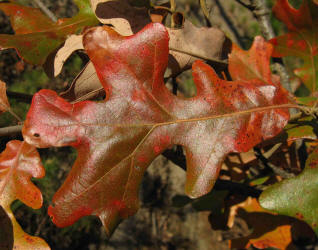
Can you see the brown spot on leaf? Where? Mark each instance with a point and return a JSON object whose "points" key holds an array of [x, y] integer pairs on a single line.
{"points": [[299, 216]]}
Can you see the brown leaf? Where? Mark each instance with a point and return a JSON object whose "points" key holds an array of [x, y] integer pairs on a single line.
{"points": [[124, 18], [4, 103], [85, 86], [209, 44], [269, 230], [72, 43], [191, 43]]}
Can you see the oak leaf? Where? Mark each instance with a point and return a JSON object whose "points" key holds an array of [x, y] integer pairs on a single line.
{"points": [[301, 41], [186, 45], [118, 138], [36, 38], [301, 199], [19, 162]]}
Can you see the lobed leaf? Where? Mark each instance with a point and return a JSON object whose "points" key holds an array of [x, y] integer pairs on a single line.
{"points": [[301, 41], [19, 162], [251, 64], [36, 38], [296, 197], [118, 138], [186, 45]]}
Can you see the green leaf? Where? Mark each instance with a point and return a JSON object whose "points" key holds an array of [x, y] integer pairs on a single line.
{"points": [[302, 129], [296, 197], [36, 36], [307, 101]]}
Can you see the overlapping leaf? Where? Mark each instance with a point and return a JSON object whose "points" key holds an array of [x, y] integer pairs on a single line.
{"points": [[36, 35], [121, 14], [301, 41], [303, 128], [4, 103], [251, 64], [118, 138], [296, 197], [18, 164], [269, 230]]}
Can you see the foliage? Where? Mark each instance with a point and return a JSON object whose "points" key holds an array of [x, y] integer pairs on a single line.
{"points": [[239, 106]]}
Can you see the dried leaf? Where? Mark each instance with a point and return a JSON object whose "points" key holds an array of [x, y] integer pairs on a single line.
{"points": [[269, 230], [301, 202], [184, 44], [118, 138], [85, 86], [124, 18], [19, 162], [72, 43], [36, 38], [4, 103], [191, 43], [301, 41]]}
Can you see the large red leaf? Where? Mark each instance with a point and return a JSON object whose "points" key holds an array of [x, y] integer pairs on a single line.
{"points": [[301, 41], [118, 138], [19, 162], [36, 36]]}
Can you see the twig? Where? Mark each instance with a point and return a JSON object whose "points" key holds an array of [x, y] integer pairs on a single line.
{"points": [[230, 24], [263, 161], [45, 10], [262, 15], [40, 226], [174, 86], [172, 6], [247, 6], [205, 12], [14, 115], [7, 108], [222, 62], [10, 130], [270, 152], [233, 187], [20, 96]]}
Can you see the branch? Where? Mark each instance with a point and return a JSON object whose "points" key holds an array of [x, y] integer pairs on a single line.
{"points": [[263, 161], [20, 96], [247, 6], [262, 15], [203, 57], [10, 130], [237, 188], [45, 10], [230, 24], [206, 12]]}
